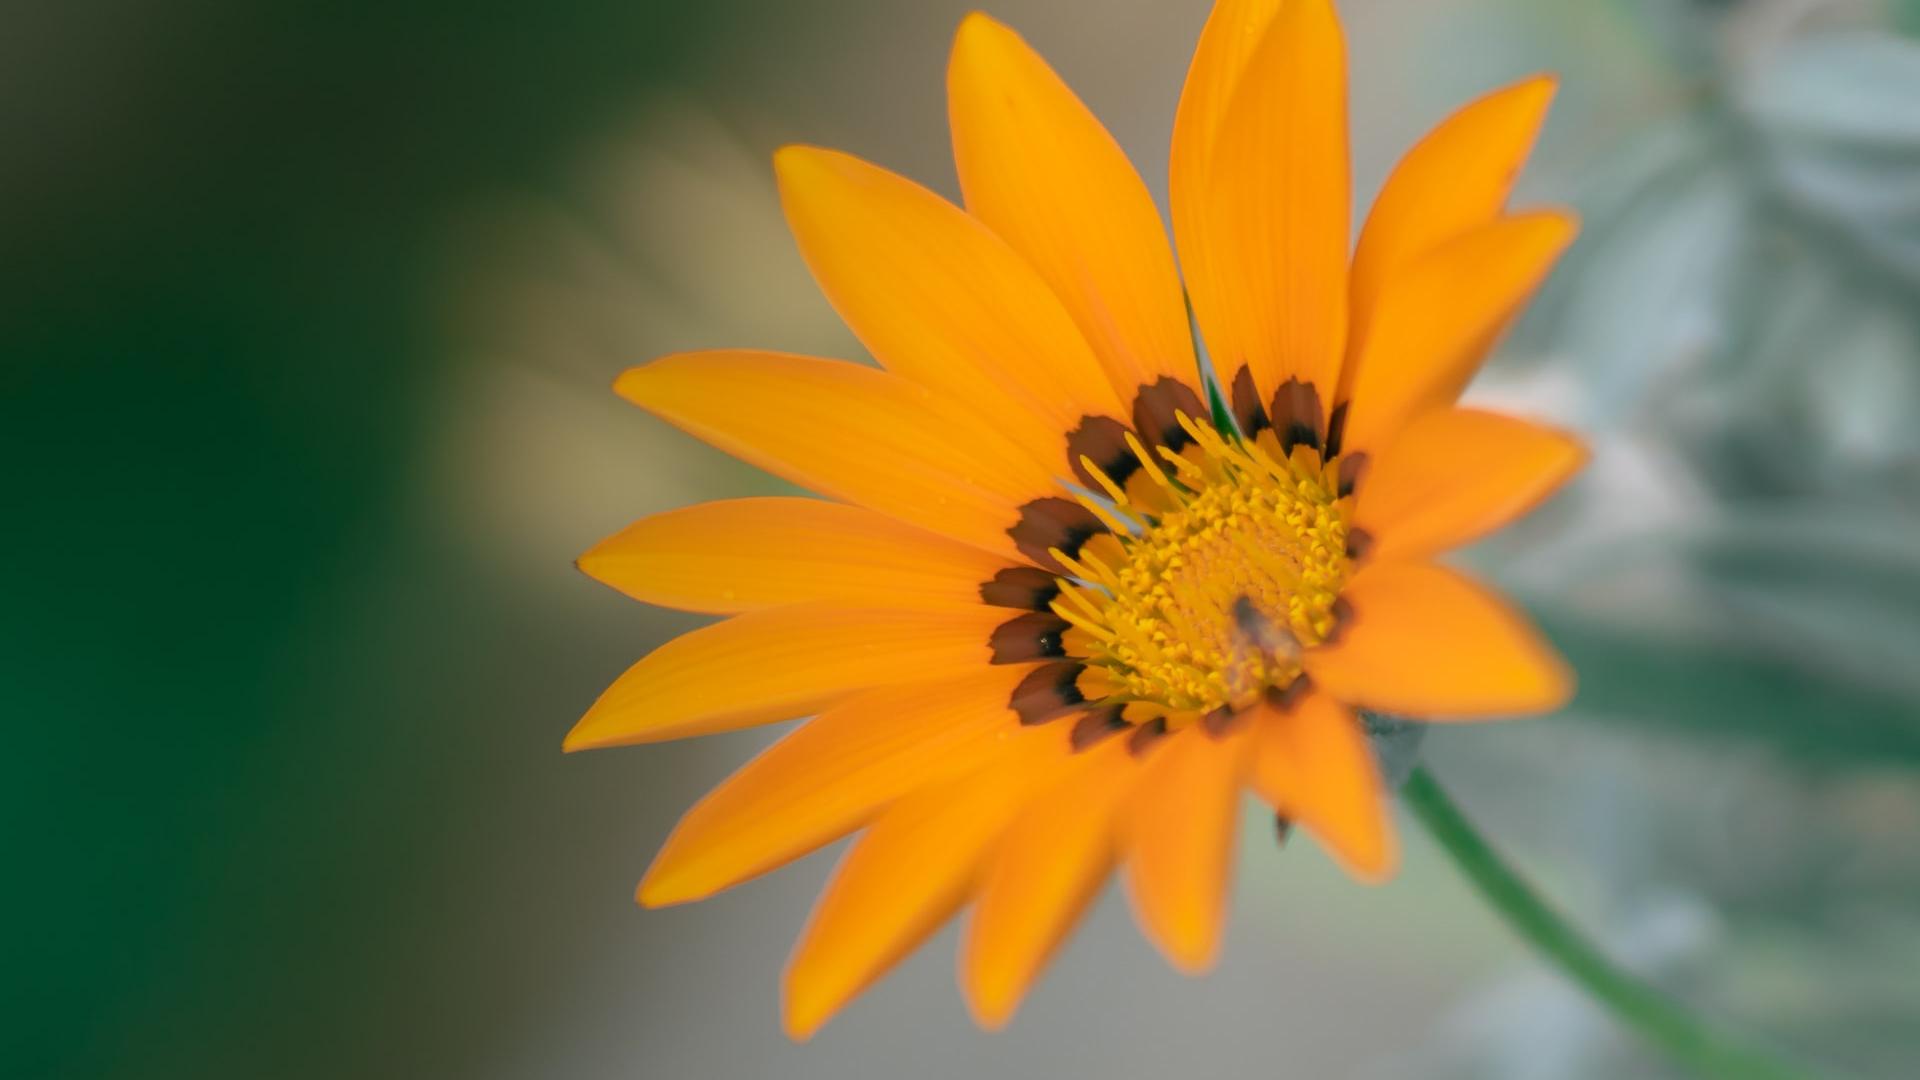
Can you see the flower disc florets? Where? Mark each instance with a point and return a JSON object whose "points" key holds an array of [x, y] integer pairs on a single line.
{"points": [[1214, 579]]}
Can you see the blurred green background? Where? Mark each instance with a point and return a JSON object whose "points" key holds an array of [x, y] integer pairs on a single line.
{"points": [[307, 315]]}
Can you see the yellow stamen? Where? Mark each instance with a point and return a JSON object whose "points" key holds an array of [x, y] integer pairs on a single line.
{"points": [[1211, 601]]}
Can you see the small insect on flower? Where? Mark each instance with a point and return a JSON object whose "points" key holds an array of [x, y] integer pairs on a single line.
{"points": [[1048, 617]]}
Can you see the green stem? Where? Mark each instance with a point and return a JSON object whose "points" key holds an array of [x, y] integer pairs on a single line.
{"points": [[1685, 1036]]}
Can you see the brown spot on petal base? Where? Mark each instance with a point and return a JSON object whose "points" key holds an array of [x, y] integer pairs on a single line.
{"points": [[1220, 722], [1146, 735], [1352, 468], [1297, 416], [1047, 693], [1157, 409], [1247, 410], [1027, 588], [1336, 430], [1033, 636], [1054, 522], [1342, 618], [1096, 726], [1283, 697], [1101, 440]]}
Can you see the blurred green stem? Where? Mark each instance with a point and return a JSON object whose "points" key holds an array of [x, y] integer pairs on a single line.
{"points": [[1687, 1038]]}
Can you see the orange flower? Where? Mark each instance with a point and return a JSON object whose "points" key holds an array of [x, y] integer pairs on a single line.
{"points": [[1051, 620]]}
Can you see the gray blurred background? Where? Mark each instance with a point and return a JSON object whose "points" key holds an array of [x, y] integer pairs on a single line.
{"points": [[307, 318]]}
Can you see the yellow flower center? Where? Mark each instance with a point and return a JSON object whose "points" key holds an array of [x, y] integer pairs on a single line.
{"points": [[1217, 574]]}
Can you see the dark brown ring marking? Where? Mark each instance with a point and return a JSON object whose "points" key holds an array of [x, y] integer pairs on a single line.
{"points": [[1297, 415], [1247, 410], [1146, 735], [1101, 440], [1221, 721], [1285, 697], [1352, 468], [1037, 635], [1157, 410], [1027, 588], [1095, 726], [1048, 692], [1336, 430], [1342, 612], [1053, 522]]}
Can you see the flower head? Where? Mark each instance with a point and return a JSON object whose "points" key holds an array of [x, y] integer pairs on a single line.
{"points": [[1049, 617]]}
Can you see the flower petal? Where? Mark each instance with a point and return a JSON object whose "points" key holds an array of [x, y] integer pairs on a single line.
{"points": [[1047, 870], [1180, 821], [781, 663], [1234, 30], [1454, 475], [942, 301], [1434, 322], [1038, 168], [1311, 762], [829, 777], [905, 876], [1262, 226], [1452, 181], [743, 554], [1427, 643], [848, 432]]}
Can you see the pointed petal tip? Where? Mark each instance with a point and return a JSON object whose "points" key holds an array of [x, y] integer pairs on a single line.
{"points": [[592, 562], [1577, 446], [1375, 867], [632, 383], [796, 162], [1532, 94], [1547, 229], [992, 992], [590, 733], [990, 1002], [979, 45], [1562, 223], [1544, 83], [803, 1015], [1554, 682], [604, 567], [993, 1025], [1553, 688], [593, 732], [659, 887], [1574, 450], [1190, 948], [797, 167], [1375, 875], [681, 872], [977, 26], [991, 1017], [794, 156], [578, 739], [1193, 956], [1562, 685]]}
